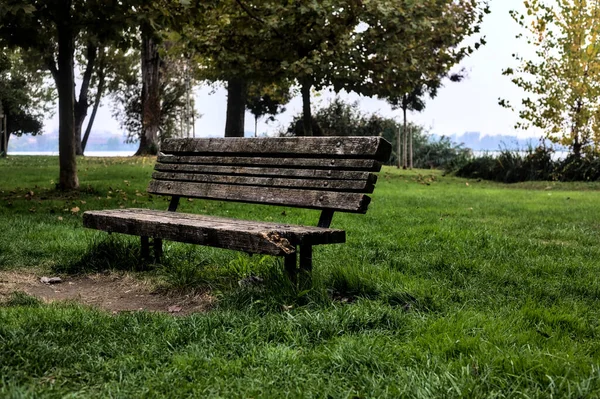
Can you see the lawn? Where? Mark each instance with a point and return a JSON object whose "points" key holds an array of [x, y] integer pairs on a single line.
{"points": [[446, 288]]}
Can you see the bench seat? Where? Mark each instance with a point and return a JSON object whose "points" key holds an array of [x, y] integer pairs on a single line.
{"points": [[241, 235]]}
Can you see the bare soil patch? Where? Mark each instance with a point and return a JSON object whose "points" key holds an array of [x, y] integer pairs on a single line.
{"points": [[112, 292]]}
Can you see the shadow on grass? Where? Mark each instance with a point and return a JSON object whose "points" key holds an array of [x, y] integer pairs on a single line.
{"points": [[237, 280], [112, 253], [350, 284], [19, 298]]}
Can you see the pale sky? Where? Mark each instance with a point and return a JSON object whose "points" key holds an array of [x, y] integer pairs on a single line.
{"points": [[467, 106]]}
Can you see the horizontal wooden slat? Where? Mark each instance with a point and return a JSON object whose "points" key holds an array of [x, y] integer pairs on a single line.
{"points": [[265, 172], [342, 201], [241, 235], [368, 165], [375, 148], [360, 186]]}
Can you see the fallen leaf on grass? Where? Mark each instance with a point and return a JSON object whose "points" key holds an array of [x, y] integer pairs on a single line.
{"points": [[174, 309], [60, 218], [75, 210]]}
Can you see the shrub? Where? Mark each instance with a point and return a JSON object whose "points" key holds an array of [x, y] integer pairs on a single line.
{"points": [[512, 166], [340, 118]]}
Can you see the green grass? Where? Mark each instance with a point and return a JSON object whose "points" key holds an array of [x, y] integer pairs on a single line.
{"points": [[446, 288]]}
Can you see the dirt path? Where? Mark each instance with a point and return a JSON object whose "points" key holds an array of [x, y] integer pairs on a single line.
{"points": [[112, 292]]}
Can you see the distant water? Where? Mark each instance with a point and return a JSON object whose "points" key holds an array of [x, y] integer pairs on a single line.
{"points": [[87, 153], [557, 155]]}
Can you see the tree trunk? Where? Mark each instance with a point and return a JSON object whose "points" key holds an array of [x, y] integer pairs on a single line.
{"points": [[576, 148], [4, 136], [82, 105], [237, 90], [65, 85], [404, 139], [577, 144], [99, 94], [410, 147], [150, 95], [255, 126], [306, 111]]}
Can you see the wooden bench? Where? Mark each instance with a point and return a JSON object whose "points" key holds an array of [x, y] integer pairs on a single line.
{"points": [[325, 173]]}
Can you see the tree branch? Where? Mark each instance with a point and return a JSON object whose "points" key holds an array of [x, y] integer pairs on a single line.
{"points": [[51, 65], [256, 18], [87, 75]]}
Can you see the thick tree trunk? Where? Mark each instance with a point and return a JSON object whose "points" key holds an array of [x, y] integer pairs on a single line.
{"points": [[237, 90], [150, 95], [306, 111], [82, 105], [404, 140], [99, 94], [65, 85]]}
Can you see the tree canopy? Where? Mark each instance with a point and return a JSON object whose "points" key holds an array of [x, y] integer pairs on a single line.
{"points": [[562, 81]]}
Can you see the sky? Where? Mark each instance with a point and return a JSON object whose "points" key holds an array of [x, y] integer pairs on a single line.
{"points": [[467, 106]]}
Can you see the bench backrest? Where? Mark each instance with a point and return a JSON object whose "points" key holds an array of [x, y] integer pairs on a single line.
{"points": [[327, 173]]}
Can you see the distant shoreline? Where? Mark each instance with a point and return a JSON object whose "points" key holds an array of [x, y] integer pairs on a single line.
{"points": [[87, 153]]}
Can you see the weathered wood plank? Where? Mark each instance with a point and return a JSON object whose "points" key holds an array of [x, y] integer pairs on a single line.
{"points": [[360, 147], [313, 199], [248, 236], [368, 165], [361, 186], [265, 172], [242, 224]]}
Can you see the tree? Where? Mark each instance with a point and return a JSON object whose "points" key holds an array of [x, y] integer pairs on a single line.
{"points": [[412, 101], [126, 90], [267, 100], [24, 97], [156, 21], [268, 41], [406, 49], [233, 46], [562, 81], [50, 30]]}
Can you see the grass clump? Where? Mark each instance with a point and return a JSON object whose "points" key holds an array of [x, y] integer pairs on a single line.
{"points": [[19, 298], [106, 253]]}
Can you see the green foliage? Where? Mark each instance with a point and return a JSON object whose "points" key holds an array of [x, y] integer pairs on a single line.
{"points": [[374, 48], [126, 92], [24, 96], [440, 154], [268, 99], [409, 46], [537, 163], [339, 118], [562, 81]]}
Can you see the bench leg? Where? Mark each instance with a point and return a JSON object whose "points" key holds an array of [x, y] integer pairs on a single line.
{"points": [[145, 250], [305, 267], [291, 268], [158, 249]]}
